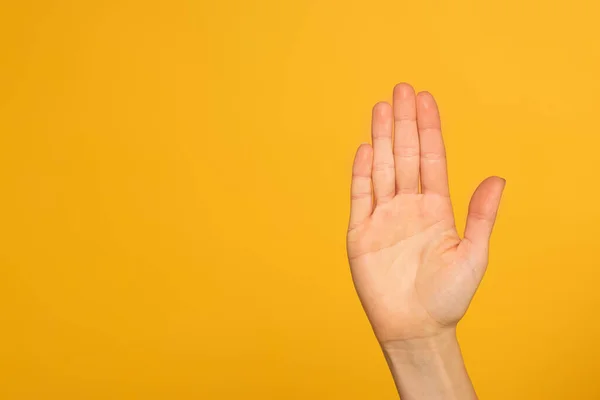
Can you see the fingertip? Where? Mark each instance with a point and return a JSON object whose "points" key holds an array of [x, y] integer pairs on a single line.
{"points": [[487, 195], [363, 159], [403, 90], [502, 181], [365, 150], [382, 109], [426, 99], [496, 181]]}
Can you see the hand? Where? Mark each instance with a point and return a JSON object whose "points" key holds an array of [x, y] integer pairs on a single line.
{"points": [[414, 275]]}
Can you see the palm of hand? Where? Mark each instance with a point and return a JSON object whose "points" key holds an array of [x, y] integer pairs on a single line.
{"points": [[414, 275]]}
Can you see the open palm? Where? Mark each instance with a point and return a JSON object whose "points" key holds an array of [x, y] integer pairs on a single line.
{"points": [[413, 273]]}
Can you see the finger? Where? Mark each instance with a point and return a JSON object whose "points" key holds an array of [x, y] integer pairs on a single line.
{"points": [[434, 177], [482, 213], [361, 204], [384, 184], [406, 139]]}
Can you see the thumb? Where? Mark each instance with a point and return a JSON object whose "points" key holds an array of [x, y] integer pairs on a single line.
{"points": [[482, 212]]}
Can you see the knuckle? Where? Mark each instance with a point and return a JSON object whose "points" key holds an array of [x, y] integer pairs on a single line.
{"points": [[480, 216], [433, 156], [361, 195], [384, 166], [406, 151]]}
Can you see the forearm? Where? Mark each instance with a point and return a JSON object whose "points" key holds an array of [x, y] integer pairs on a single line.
{"points": [[429, 368]]}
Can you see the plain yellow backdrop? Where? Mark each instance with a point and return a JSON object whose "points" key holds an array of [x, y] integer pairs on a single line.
{"points": [[175, 183]]}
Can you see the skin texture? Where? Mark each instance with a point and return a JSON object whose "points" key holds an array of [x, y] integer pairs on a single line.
{"points": [[414, 274]]}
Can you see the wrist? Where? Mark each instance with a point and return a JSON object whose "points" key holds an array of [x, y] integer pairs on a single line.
{"points": [[431, 365], [421, 347]]}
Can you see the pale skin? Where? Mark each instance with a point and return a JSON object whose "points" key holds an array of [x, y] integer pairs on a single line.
{"points": [[414, 274]]}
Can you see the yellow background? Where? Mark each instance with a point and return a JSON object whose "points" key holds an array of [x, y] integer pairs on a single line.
{"points": [[175, 178]]}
